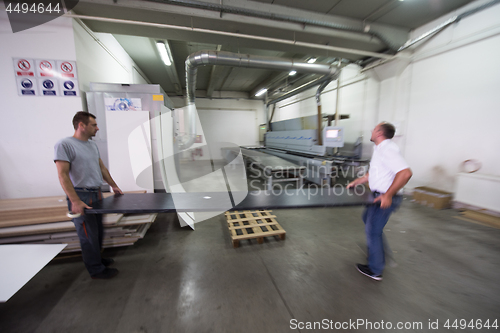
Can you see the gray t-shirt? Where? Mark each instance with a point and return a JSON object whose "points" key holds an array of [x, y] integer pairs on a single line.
{"points": [[83, 156]]}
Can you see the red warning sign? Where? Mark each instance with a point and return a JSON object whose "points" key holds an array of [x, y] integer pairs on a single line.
{"points": [[67, 69], [24, 67], [45, 68]]}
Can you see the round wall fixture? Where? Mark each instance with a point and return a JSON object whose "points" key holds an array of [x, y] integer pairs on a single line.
{"points": [[470, 166]]}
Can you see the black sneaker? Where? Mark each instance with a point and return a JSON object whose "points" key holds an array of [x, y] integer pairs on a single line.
{"points": [[363, 269], [107, 261], [107, 273]]}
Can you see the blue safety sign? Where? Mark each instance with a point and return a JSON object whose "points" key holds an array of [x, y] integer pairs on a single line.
{"points": [[27, 83], [47, 84], [48, 87], [69, 85], [26, 86]]}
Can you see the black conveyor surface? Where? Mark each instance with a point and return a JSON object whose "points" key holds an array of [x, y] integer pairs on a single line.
{"points": [[134, 203]]}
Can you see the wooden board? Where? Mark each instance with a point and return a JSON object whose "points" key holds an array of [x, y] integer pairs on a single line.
{"points": [[487, 219], [253, 225], [30, 211]]}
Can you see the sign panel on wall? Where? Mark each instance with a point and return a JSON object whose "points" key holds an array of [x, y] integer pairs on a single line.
{"points": [[46, 77]]}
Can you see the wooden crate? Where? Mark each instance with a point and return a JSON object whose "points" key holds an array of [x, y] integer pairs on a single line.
{"points": [[253, 225]]}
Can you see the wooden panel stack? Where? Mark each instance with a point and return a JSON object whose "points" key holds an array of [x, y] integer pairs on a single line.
{"points": [[44, 221], [253, 225]]}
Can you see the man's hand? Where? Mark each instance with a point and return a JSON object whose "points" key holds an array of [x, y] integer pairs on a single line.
{"points": [[78, 207], [358, 181], [116, 190], [385, 200], [352, 184]]}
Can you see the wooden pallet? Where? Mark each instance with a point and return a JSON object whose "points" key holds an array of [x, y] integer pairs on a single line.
{"points": [[253, 225]]}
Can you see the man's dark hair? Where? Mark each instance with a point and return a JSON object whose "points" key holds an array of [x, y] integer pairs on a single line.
{"points": [[82, 117], [388, 130]]}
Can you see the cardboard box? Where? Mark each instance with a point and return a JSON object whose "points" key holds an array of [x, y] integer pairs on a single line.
{"points": [[432, 197]]}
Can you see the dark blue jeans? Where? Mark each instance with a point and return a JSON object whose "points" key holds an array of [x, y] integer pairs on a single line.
{"points": [[90, 232], [375, 219]]}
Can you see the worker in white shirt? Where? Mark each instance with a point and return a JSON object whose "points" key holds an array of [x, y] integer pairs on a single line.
{"points": [[388, 173]]}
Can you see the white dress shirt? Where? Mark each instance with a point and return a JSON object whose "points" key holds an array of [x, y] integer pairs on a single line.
{"points": [[386, 162]]}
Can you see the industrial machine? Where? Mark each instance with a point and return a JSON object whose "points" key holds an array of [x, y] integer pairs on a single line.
{"points": [[296, 140]]}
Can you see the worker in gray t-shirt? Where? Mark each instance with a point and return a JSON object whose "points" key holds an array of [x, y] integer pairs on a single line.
{"points": [[81, 173]]}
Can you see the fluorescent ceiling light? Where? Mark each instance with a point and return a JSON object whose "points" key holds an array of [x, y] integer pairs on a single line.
{"points": [[311, 61], [164, 54], [260, 92], [292, 73]]}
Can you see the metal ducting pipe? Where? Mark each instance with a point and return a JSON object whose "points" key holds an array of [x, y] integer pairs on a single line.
{"points": [[434, 31], [277, 17], [222, 58], [304, 87], [452, 20]]}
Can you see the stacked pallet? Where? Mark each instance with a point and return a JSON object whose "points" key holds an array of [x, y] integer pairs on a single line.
{"points": [[44, 221]]}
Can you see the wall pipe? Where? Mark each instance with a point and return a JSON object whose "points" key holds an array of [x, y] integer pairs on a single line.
{"points": [[429, 33]]}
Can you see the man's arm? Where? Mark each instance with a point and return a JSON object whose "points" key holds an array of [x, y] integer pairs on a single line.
{"points": [[77, 205], [358, 181], [400, 180], [107, 177]]}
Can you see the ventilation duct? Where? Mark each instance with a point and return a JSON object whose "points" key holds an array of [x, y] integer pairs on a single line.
{"points": [[221, 58]]}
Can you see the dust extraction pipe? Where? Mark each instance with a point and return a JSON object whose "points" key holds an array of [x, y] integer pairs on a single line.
{"points": [[279, 17], [222, 58]]}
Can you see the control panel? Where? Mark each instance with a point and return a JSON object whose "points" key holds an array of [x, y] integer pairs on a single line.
{"points": [[333, 136]]}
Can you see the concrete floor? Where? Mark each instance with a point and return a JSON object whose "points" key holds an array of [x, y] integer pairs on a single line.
{"points": [[179, 280]]}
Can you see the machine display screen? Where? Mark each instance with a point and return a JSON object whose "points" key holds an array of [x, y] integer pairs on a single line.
{"points": [[332, 133]]}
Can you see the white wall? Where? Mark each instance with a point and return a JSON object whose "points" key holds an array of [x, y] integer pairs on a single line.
{"points": [[33, 124], [228, 120], [454, 101], [102, 59], [444, 99]]}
